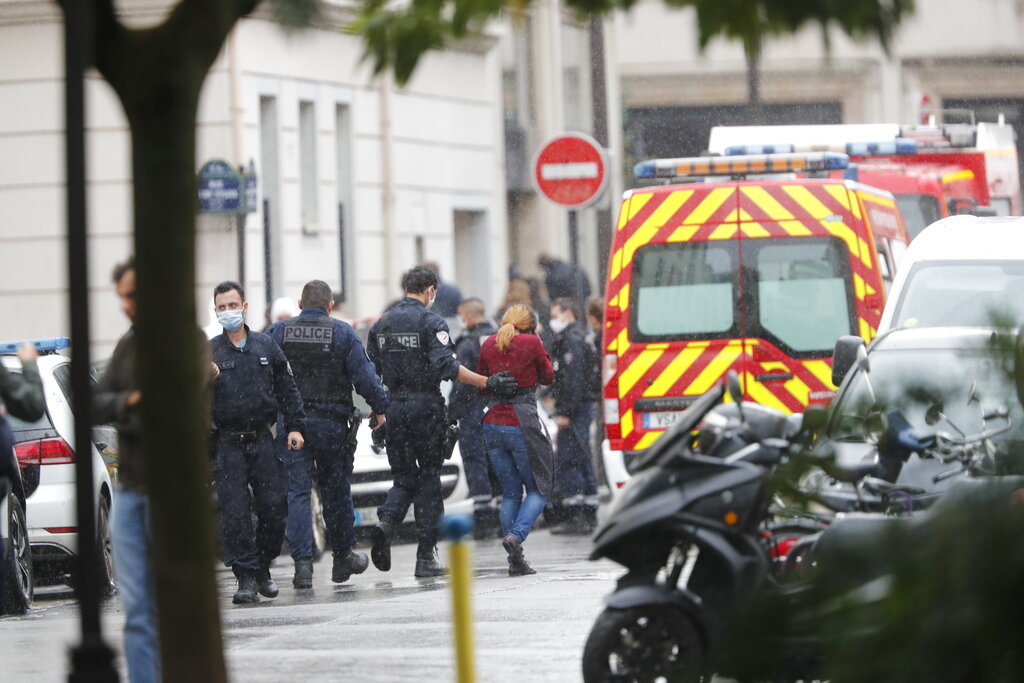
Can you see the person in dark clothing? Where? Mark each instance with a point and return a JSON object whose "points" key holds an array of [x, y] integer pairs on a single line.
{"points": [[518, 445], [116, 400], [21, 395], [412, 349], [446, 303], [564, 280], [467, 405], [575, 392], [254, 383], [327, 359]]}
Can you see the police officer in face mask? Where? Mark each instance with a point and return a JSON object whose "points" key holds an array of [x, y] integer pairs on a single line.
{"points": [[253, 384], [412, 349], [327, 359]]}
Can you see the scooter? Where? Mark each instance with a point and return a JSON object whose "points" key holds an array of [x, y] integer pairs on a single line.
{"points": [[689, 529]]}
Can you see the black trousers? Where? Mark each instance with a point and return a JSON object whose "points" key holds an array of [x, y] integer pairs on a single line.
{"points": [[415, 445], [250, 475]]}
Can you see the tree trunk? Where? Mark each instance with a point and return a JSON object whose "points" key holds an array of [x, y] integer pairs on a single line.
{"points": [[172, 376], [755, 107]]}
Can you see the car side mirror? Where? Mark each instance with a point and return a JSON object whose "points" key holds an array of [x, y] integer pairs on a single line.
{"points": [[849, 350]]}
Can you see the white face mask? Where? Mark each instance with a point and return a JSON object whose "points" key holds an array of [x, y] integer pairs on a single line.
{"points": [[433, 297], [557, 325]]}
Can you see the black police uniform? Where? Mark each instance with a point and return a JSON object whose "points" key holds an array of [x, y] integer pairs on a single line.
{"points": [[255, 383], [413, 351], [466, 404], [575, 390], [327, 359]]}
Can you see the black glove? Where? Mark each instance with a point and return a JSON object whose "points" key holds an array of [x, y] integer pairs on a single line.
{"points": [[502, 385], [378, 436]]}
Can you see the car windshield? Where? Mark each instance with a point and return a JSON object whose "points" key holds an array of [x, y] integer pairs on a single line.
{"points": [[913, 380], [962, 293]]}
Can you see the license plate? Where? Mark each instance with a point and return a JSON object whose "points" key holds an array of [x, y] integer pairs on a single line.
{"points": [[662, 419], [366, 516]]}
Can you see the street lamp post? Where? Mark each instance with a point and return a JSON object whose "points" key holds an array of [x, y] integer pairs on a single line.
{"points": [[92, 660]]}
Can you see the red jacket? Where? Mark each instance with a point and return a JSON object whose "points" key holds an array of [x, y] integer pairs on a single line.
{"points": [[526, 359]]}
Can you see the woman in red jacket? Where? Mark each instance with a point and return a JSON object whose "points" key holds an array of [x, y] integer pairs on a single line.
{"points": [[518, 446]]}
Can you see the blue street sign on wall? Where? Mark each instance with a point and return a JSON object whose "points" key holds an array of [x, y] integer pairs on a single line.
{"points": [[221, 188]]}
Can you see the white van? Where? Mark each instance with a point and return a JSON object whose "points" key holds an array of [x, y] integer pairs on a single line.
{"points": [[961, 271]]}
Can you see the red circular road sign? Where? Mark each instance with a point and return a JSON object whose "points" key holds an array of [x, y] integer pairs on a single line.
{"points": [[571, 169]]}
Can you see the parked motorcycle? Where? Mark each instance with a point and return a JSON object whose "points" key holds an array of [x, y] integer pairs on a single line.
{"points": [[690, 529]]}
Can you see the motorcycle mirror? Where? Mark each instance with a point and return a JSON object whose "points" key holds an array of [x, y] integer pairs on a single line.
{"points": [[972, 394], [845, 355], [732, 383], [814, 419], [933, 414]]}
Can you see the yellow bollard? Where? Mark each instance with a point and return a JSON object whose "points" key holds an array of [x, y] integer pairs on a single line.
{"points": [[456, 529]]}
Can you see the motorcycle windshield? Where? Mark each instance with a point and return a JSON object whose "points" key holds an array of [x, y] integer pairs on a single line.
{"points": [[678, 435]]}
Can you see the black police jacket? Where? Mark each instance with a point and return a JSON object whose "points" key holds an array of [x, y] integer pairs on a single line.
{"points": [[465, 397], [255, 383], [327, 359], [412, 349], [577, 370]]}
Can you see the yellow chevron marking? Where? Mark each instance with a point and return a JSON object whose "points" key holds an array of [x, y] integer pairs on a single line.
{"points": [[754, 229], [624, 214], [821, 370], [622, 341], [715, 369], [616, 264], [639, 365], [683, 233], [965, 174], [854, 242], [869, 289], [624, 298], [637, 202], [627, 423], [840, 194], [864, 328], [769, 204], [671, 374], [806, 199], [795, 228], [858, 286], [654, 222], [708, 206], [800, 391], [723, 232], [760, 394], [647, 439]]}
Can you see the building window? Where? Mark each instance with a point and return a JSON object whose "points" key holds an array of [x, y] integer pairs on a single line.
{"points": [[307, 167]]}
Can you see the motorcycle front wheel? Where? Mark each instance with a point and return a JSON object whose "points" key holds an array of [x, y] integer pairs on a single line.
{"points": [[642, 644]]}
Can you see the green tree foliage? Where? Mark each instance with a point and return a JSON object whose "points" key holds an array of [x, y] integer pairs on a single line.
{"points": [[398, 34]]}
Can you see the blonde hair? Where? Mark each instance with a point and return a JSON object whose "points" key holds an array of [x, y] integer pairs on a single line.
{"points": [[518, 317]]}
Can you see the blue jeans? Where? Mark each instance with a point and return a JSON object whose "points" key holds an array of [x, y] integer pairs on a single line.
{"points": [[506, 449], [326, 457], [132, 545]]}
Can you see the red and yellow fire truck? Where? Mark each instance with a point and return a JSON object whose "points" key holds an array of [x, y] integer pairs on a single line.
{"points": [[933, 171], [761, 275]]}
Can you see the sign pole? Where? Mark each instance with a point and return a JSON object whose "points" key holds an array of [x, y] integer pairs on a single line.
{"points": [[574, 258]]}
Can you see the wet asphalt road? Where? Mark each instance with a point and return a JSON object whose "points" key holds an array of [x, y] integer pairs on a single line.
{"points": [[377, 627]]}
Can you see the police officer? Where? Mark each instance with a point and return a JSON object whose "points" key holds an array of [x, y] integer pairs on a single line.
{"points": [[327, 358], [412, 349], [466, 405], [575, 390], [253, 384]]}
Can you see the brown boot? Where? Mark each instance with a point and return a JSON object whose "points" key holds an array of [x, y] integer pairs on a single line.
{"points": [[520, 567], [513, 547]]}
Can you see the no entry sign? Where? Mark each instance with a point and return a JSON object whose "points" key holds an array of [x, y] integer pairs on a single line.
{"points": [[571, 169]]}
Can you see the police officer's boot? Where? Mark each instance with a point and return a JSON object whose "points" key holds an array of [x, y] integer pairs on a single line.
{"points": [[246, 592], [265, 585], [578, 522], [427, 564], [380, 553], [303, 573], [485, 522], [348, 563]]}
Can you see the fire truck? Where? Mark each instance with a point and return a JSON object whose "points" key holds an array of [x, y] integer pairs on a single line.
{"points": [[739, 262], [934, 171]]}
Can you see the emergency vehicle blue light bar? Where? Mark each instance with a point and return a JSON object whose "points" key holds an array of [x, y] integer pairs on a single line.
{"points": [[695, 167], [42, 345], [894, 147]]}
